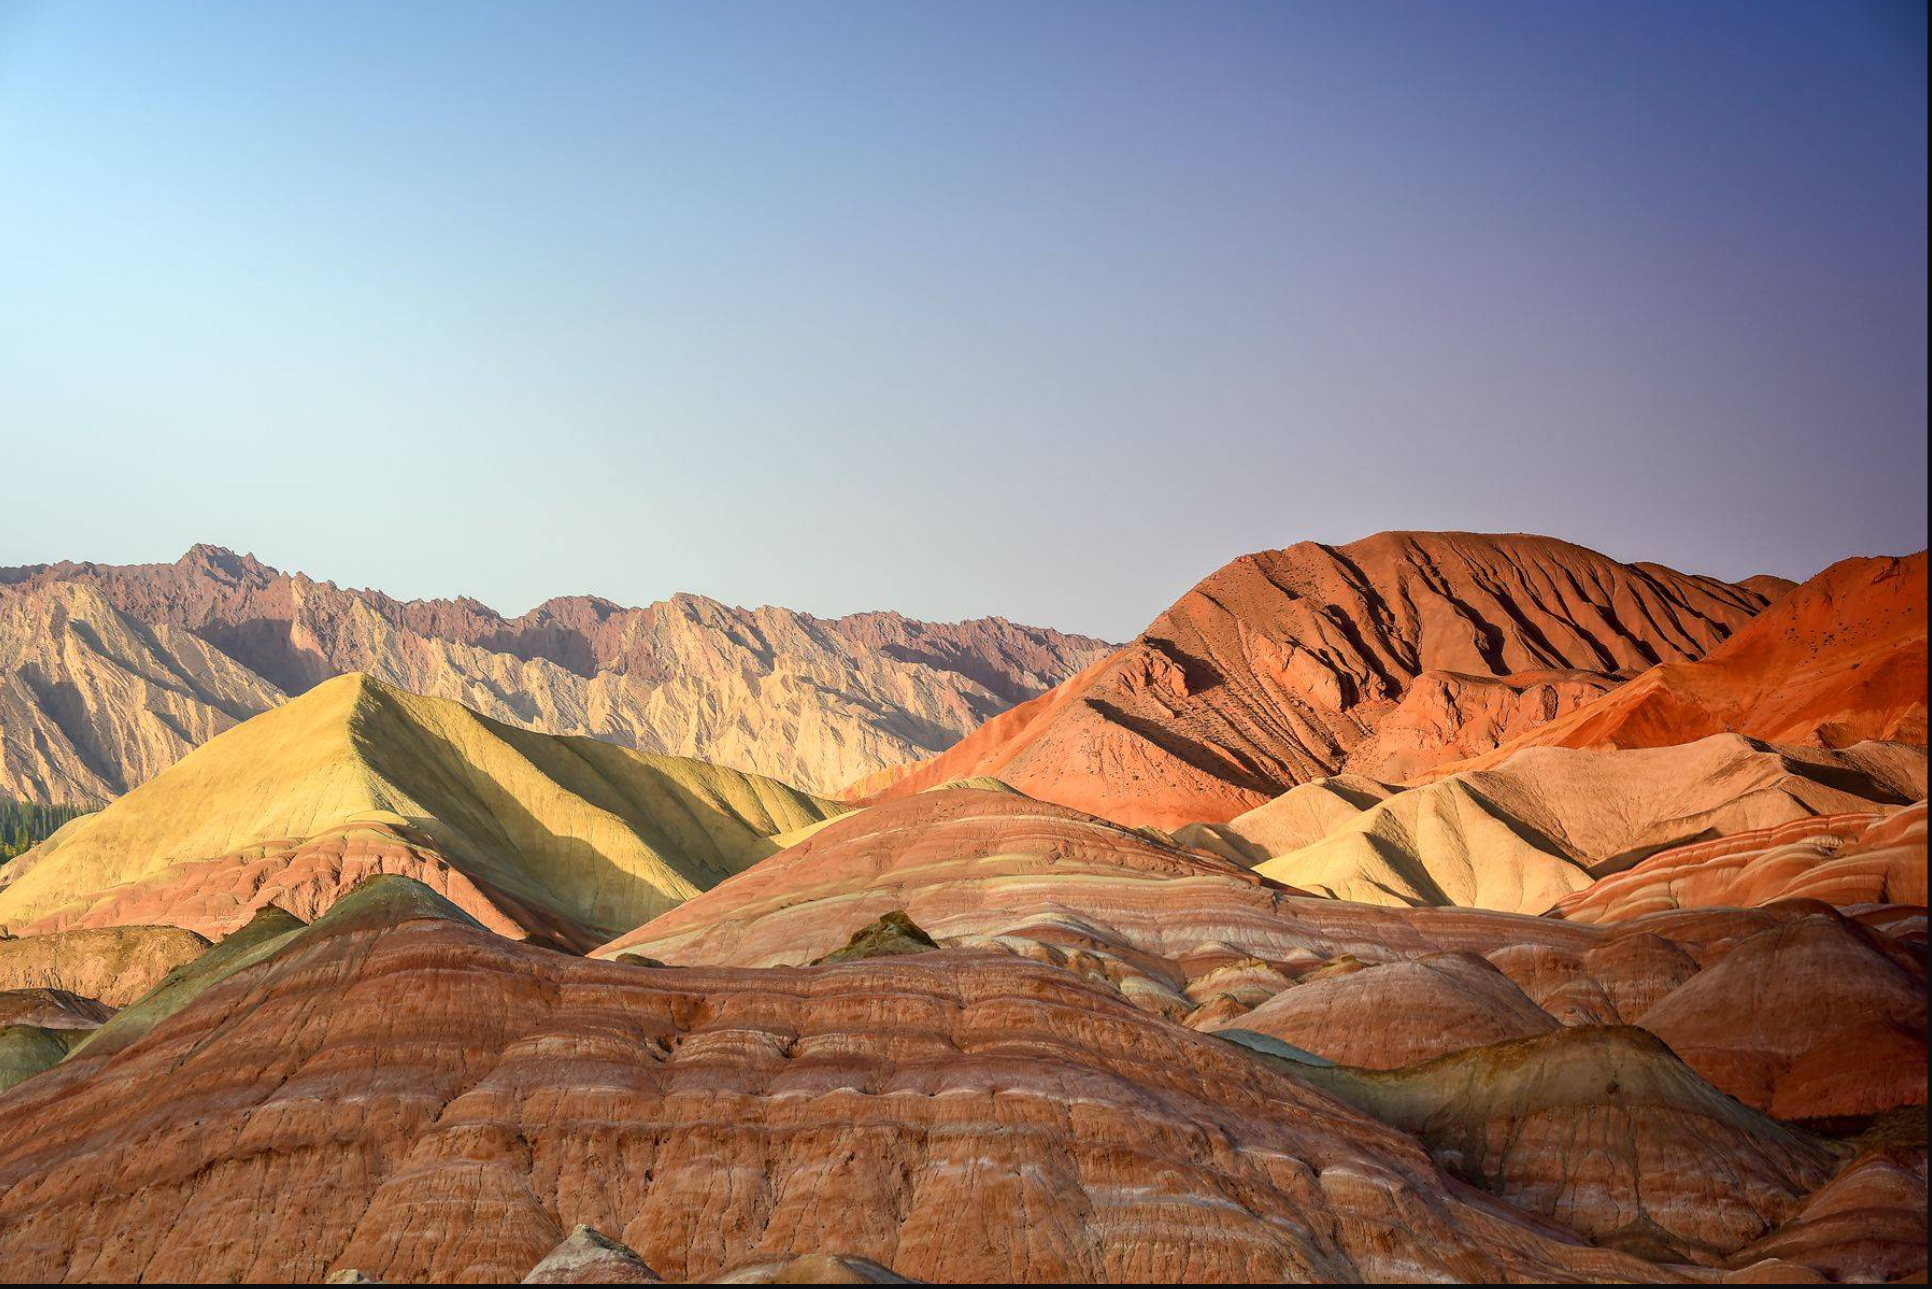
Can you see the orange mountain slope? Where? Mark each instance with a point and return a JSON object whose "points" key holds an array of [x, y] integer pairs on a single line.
{"points": [[1840, 659], [1281, 666]]}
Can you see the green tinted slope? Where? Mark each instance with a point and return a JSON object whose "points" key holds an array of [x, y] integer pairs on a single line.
{"points": [[595, 834]]}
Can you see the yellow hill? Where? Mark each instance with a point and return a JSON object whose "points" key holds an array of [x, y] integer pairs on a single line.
{"points": [[1549, 821], [568, 837]]}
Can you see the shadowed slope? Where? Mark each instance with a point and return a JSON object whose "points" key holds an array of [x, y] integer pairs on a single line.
{"points": [[1811, 1019], [1604, 1130], [1275, 669], [535, 834]]}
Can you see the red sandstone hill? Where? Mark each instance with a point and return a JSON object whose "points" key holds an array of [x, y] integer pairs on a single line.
{"points": [[396, 1090], [1840, 659], [1385, 656]]}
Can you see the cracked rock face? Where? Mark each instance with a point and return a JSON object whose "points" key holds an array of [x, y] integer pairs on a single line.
{"points": [[422, 1099], [1279, 667]]}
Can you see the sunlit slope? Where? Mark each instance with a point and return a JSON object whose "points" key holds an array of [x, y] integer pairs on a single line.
{"points": [[355, 771]]}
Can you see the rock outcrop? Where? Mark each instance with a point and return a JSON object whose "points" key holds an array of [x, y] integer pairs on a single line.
{"points": [[589, 1257], [568, 839], [1278, 668], [51, 1009], [398, 1091], [893, 934], [1868, 1223], [108, 674]]}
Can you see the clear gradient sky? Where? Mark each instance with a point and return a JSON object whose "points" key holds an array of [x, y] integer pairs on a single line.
{"points": [[1044, 309]]}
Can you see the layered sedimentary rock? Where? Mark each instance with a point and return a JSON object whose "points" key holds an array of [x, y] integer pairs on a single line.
{"points": [[1400, 1013], [108, 674], [1543, 824], [566, 838], [115, 965], [1842, 859], [1839, 660], [1605, 1131], [1867, 1223], [399, 1091], [1812, 1019], [1278, 668]]}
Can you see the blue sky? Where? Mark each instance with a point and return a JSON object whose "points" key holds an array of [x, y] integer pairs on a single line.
{"points": [[1039, 309]]}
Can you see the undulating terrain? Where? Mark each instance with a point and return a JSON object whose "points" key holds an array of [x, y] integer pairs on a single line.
{"points": [[1438, 907]]}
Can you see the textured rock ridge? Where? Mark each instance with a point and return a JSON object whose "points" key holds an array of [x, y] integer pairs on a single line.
{"points": [[1280, 667], [1839, 660], [108, 674]]}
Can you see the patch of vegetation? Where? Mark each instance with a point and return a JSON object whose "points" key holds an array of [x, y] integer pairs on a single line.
{"points": [[24, 824]]}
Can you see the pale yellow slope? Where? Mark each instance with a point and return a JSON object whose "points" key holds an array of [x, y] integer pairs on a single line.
{"points": [[599, 835], [1304, 814], [1521, 836]]}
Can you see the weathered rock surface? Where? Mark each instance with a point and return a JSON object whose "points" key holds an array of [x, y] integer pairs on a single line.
{"points": [[1866, 1224], [108, 674], [1277, 668], [1537, 828], [1400, 1013], [1841, 859], [1184, 935], [588, 1257], [1813, 1019], [399, 1091], [569, 839], [1446, 717], [1605, 1131], [810, 1269], [1839, 660], [113, 964], [93, 701], [893, 934]]}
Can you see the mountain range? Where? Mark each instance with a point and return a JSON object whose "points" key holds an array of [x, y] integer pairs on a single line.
{"points": [[1436, 907], [111, 673]]}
